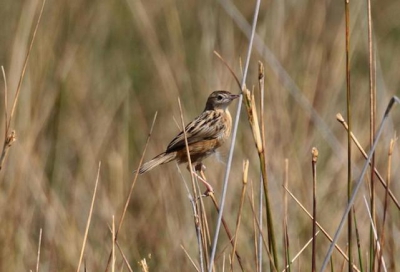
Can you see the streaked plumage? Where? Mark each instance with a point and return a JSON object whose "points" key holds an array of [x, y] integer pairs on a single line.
{"points": [[204, 134]]}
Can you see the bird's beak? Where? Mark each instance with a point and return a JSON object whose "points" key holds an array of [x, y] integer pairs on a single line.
{"points": [[234, 96]]}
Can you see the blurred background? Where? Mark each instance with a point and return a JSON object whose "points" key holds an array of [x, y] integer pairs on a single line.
{"points": [[100, 70]]}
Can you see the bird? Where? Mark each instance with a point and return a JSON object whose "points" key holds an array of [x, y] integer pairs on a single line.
{"points": [[205, 134]]}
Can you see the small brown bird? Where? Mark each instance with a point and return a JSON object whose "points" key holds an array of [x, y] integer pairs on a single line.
{"points": [[204, 134]]}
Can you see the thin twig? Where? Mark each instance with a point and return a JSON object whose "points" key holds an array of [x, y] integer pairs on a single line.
{"points": [[89, 218]]}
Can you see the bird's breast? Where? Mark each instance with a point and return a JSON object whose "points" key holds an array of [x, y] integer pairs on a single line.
{"points": [[225, 127]]}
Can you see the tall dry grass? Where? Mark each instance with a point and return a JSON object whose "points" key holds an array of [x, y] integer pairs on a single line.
{"points": [[98, 72]]}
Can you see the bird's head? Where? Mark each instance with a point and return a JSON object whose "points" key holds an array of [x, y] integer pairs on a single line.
{"points": [[220, 100]]}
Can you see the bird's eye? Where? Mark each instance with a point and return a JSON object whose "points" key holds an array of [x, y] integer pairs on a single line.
{"points": [[219, 97]]}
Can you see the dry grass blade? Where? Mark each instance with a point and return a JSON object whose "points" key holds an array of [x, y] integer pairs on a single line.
{"points": [[10, 136], [285, 216], [89, 218], [245, 174], [128, 199], [143, 265], [38, 254], [197, 221], [190, 258], [5, 100], [386, 202], [378, 247], [124, 257], [301, 251], [249, 101], [228, 232], [229, 68], [270, 257], [113, 244], [199, 232]]}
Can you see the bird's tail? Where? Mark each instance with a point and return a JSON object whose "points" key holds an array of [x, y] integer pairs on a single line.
{"points": [[160, 159]]}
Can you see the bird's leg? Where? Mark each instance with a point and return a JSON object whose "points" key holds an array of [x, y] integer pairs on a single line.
{"points": [[199, 172]]}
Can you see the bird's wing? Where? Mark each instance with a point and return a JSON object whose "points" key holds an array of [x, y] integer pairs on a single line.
{"points": [[208, 125]]}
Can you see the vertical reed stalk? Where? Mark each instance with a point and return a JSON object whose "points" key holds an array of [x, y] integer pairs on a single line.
{"points": [[386, 203], [358, 241], [285, 217], [314, 153], [245, 174], [349, 183], [372, 110]]}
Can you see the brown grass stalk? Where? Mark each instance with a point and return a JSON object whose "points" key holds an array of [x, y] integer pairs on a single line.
{"points": [[270, 257], [228, 232], [199, 228], [386, 201], [249, 101], [113, 244], [190, 258], [255, 229], [89, 218], [314, 153], [38, 252], [359, 250], [349, 157], [128, 199], [239, 216], [372, 128], [10, 136], [285, 217], [123, 256], [301, 251]]}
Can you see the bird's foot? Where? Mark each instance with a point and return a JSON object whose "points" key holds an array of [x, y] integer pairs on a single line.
{"points": [[209, 191], [200, 167]]}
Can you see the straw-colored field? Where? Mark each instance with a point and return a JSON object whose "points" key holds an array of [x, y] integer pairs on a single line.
{"points": [[100, 70]]}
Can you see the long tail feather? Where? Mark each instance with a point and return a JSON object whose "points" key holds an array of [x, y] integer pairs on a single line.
{"points": [[160, 159]]}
